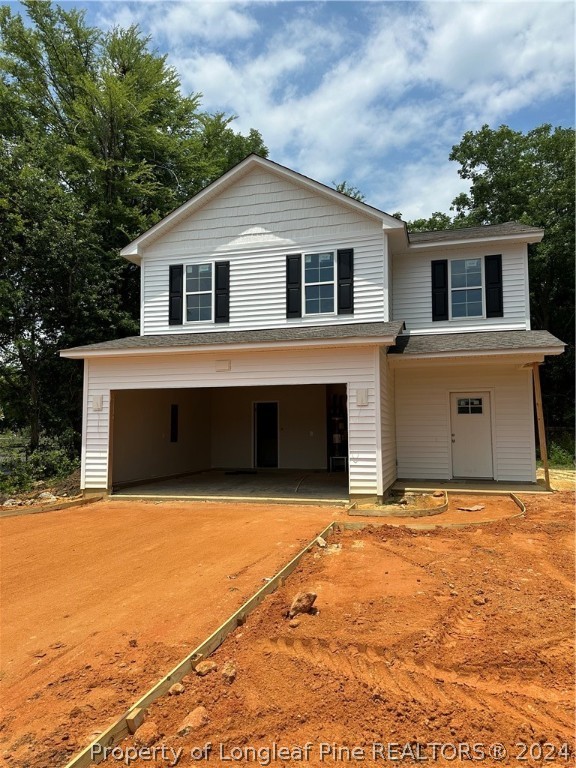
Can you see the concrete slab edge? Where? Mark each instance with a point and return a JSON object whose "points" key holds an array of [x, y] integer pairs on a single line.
{"points": [[235, 499], [120, 728]]}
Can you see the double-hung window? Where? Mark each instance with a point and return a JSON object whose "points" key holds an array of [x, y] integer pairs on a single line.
{"points": [[319, 281], [199, 290], [466, 288]]}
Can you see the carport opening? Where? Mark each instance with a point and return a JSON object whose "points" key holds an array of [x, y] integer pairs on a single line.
{"points": [[219, 438]]}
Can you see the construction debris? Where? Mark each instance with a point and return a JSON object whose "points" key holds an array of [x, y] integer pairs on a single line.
{"points": [[302, 603], [176, 689], [475, 508], [147, 734], [229, 672], [205, 667], [193, 721]]}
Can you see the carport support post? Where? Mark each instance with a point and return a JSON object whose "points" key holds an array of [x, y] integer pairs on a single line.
{"points": [[540, 418]]}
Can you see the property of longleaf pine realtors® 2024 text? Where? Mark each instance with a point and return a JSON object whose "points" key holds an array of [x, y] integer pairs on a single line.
{"points": [[337, 753]]}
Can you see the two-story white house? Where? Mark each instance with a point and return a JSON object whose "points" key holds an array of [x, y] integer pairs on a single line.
{"points": [[285, 325]]}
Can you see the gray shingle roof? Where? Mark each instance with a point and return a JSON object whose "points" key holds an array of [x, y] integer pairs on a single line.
{"points": [[485, 341], [473, 233], [296, 333]]}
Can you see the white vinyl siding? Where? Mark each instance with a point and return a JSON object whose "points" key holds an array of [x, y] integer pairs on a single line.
{"points": [[423, 419], [354, 367], [412, 290], [254, 224]]}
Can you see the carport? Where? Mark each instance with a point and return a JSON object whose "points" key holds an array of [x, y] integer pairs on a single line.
{"points": [[236, 442]]}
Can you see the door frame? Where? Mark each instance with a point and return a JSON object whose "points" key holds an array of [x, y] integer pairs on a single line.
{"points": [[479, 390], [254, 433]]}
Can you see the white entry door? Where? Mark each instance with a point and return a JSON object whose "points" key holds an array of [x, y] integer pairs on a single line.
{"points": [[471, 434]]}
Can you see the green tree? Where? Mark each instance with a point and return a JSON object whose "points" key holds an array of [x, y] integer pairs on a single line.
{"points": [[98, 144], [437, 221], [348, 189]]}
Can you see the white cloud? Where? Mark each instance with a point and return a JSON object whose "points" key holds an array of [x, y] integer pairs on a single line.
{"points": [[184, 21], [418, 189], [376, 93], [176, 23]]}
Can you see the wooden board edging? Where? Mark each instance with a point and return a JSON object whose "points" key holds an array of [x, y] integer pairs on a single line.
{"points": [[56, 507], [518, 502], [405, 513], [119, 729]]}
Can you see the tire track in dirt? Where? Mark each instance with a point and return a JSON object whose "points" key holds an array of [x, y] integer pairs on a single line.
{"points": [[430, 685]]}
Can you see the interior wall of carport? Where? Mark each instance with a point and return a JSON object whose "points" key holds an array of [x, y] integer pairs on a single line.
{"points": [[301, 425], [141, 447], [215, 430]]}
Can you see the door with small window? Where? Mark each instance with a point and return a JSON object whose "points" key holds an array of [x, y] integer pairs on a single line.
{"points": [[471, 434]]}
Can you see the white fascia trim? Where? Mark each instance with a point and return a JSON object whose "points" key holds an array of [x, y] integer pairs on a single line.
{"points": [[368, 341], [455, 328], [532, 237], [536, 354]]}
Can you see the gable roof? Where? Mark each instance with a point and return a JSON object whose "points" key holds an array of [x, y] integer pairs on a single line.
{"points": [[132, 250]]}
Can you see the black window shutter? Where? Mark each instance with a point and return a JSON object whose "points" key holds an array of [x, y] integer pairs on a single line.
{"points": [[440, 289], [222, 292], [493, 286], [346, 281], [175, 301], [294, 285]]}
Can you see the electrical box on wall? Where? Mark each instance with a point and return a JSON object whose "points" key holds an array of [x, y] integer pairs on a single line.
{"points": [[97, 403], [361, 397]]}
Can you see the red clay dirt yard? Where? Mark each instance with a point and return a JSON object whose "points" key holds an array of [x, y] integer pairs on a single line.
{"points": [[459, 638]]}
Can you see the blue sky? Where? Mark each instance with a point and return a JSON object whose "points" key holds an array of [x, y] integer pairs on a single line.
{"points": [[372, 92]]}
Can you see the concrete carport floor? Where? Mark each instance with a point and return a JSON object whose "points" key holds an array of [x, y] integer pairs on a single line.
{"points": [[300, 486]]}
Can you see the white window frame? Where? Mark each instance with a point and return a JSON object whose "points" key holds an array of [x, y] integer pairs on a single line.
{"points": [[333, 282], [200, 293], [480, 287]]}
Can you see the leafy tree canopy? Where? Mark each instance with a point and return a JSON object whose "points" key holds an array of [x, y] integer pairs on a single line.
{"points": [[97, 143]]}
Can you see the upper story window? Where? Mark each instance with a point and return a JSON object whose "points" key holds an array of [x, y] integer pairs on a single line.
{"points": [[199, 290], [319, 282], [199, 293], [466, 288]]}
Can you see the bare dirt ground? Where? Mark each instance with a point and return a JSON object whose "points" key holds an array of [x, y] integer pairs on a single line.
{"points": [[99, 602], [449, 637]]}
